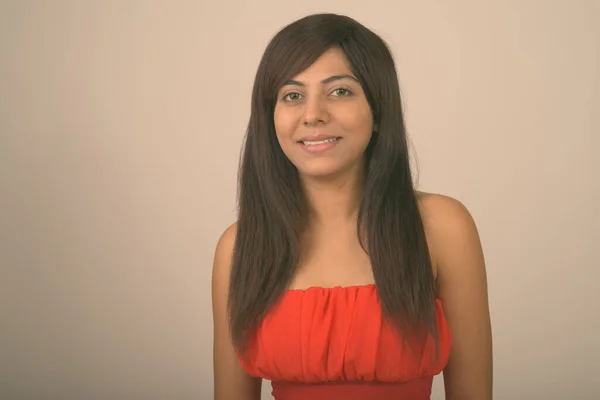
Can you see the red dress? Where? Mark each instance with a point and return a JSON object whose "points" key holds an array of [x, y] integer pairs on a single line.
{"points": [[332, 343]]}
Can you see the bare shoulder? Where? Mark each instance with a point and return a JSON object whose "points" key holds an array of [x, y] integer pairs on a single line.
{"points": [[227, 240], [221, 272], [230, 380], [462, 286], [448, 224], [441, 212], [222, 268], [224, 253]]}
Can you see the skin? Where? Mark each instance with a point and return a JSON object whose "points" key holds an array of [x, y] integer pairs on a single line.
{"points": [[314, 103], [461, 282], [230, 380]]}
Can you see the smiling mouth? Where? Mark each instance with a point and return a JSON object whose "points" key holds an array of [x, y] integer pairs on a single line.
{"points": [[318, 142]]}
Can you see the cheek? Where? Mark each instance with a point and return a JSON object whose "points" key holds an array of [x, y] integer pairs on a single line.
{"points": [[284, 123], [358, 121]]}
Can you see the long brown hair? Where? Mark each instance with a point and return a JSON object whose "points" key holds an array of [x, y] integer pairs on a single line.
{"points": [[272, 206]]}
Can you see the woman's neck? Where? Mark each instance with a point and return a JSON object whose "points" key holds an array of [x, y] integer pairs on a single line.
{"points": [[334, 201]]}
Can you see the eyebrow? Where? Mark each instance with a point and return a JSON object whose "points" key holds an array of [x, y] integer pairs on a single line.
{"points": [[324, 81]]}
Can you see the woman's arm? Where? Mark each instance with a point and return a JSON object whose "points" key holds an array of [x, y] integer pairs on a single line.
{"points": [[462, 287], [230, 380]]}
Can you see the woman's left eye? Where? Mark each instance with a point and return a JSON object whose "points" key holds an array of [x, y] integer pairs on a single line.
{"points": [[341, 92]]}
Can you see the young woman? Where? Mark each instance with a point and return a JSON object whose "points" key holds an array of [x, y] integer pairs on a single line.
{"points": [[340, 280]]}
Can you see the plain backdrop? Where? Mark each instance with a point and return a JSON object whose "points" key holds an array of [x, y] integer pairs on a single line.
{"points": [[121, 124]]}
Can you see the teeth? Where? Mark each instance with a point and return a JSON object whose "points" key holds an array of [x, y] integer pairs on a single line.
{"points": [[313, 143]]}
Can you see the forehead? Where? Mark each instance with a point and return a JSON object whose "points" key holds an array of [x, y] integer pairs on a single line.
{"points": [[331, 62]]}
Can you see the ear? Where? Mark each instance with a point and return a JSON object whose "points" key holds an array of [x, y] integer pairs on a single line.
{"points": [[375, 128]]}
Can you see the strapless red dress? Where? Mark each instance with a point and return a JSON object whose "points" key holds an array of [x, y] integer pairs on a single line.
{"points": [[333, 343]]}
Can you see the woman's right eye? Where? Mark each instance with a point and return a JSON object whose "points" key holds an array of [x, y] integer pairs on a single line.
{"points": [[292, 96]]}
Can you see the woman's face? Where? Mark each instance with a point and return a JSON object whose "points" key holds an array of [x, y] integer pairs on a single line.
{"points": [[322, 118]]}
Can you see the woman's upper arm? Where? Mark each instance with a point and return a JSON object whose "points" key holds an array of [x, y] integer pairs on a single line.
{"points": [[462, 287], [230, 381]]}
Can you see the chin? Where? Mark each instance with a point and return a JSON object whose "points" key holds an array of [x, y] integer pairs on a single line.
{"points": [[321, 171]]}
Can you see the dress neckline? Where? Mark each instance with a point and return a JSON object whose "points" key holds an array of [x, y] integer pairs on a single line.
{"points": [[333, 288]]}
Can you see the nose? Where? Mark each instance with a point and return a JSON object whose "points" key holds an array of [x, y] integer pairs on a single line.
{"points": [[316, 111]]}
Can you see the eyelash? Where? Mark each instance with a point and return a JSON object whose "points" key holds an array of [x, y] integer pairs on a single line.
{"points": [[348, 93]]}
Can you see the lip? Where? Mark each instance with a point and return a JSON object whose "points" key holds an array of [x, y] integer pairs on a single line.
{"points": [[319, 148], [316, 138]]}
